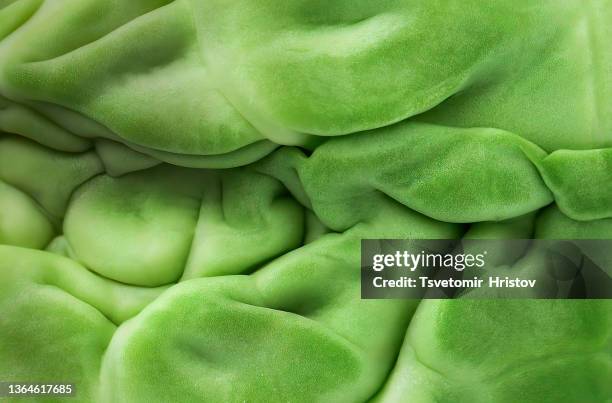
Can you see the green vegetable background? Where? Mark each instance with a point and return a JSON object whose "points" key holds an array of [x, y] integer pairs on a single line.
{"points": [[184, 186]]}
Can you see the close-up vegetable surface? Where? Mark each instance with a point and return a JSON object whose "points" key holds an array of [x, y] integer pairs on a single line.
{"points": [[184, 186]]}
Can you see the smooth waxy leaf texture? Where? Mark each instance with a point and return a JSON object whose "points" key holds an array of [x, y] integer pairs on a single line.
{"points": [[184, 186]]}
